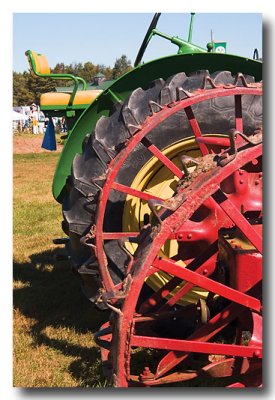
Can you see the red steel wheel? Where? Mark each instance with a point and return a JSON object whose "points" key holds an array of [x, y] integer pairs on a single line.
{"points": [[215, 207], [217, 351]]}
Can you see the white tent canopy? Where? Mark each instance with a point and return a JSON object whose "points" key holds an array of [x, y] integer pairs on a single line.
{"points": [[16, 116]]}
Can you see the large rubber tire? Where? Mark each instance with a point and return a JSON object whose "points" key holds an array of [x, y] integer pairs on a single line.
{"points": [[88, 169]]}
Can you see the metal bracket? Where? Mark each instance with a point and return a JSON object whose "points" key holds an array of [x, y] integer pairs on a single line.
{"points": [[232, 151], [132, 129], [90, 235], [153, 203], [208, 79], [183, 94], [155, 107], [98, 179], [185, 160]]}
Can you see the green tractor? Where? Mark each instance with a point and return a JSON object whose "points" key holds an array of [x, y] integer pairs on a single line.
{"points": [[160, 181]]}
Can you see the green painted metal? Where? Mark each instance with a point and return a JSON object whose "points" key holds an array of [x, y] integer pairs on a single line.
{"points": [[141, 76], [71, 116], [184, 46], [191, 28], [90, 86]]}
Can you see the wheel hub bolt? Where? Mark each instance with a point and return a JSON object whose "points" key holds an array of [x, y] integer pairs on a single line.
{"points": [[256, 353], [146, 374]]}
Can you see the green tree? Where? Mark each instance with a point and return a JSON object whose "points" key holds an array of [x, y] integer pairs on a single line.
{"points": [[89, 71], [21, 94], [38, 86], [108, 72], [121, 66]]}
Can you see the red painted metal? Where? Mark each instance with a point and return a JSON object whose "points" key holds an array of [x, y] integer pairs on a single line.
{"points": [[214, 141], [240, 258], [196, 129], [239, 220], [238, 113], [119, 235], [194, 221], [148, 254], [204, 263], [236, 385], [205, 333], [134, 192], [206, 269], [165, 160], [208, 284], [196, 346]]}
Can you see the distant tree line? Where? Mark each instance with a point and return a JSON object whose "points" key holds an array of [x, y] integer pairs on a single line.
{"points": [[27, 88]]}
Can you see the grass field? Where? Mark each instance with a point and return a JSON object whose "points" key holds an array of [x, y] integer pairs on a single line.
{"points": [[53, 322]]}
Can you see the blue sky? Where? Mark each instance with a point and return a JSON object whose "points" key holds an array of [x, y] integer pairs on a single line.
{"points": [[103, 37]]}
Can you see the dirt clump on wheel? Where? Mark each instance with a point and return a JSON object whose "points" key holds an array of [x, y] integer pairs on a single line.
{"points": [[28, 144]]}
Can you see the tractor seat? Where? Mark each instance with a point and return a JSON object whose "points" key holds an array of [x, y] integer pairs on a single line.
{"points": [[82, 98], [78, 99]]}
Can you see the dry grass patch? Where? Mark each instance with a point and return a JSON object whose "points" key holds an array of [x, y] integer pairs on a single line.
{"points": [[53, 321]]}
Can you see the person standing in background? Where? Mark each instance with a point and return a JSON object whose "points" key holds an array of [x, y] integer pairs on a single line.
{"points": [[41, 122], [63, 125], [34, 118]]}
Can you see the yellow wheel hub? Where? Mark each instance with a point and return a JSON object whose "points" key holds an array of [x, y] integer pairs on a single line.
{"points": [[156, 179]]}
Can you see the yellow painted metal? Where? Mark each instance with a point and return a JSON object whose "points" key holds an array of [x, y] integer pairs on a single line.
{"points": [[158, 180], [41, 63], [83, 97]]}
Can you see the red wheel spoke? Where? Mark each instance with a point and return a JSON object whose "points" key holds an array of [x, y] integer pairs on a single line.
{"points": [[238, 113], [196, 129], [214, 141], [198, 265], [119, 235], [203, 264], [134, 192], [172, 378], [236, 385], [195, 346], [165, 160], [188, 286], [239, 220], [160, 294], [124, 235], [206, 332], [208, 284]]}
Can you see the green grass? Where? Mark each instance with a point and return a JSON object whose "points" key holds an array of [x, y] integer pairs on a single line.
{"points": [[53, 321]]}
